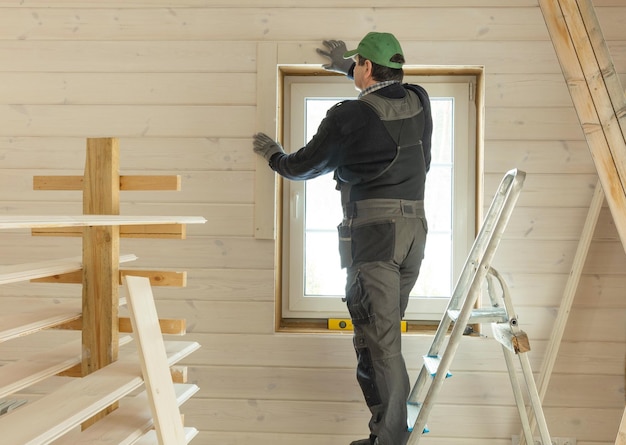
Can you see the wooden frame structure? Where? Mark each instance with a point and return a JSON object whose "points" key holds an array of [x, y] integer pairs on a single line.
{"points": [[106, 372], [600, 103]]}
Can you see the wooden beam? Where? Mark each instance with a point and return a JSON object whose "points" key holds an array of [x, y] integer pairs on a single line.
{"points": [[157, 278], [179, 374], [596, 93], [126, 183], [570, 290], [170, 326], [165, 231], [101, 247], [153, 359], [166, 326], [569, 293]]}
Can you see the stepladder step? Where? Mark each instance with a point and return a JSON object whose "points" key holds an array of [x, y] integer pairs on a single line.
{"points": [[482, 315], [431, 362], [412, 411]]}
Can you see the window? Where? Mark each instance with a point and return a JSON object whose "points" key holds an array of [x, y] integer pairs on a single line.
{"points": [[312, 280]]}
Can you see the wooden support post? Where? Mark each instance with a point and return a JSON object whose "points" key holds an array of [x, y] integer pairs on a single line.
{"points": [[596, 93], [101, 246], [570, 289]]}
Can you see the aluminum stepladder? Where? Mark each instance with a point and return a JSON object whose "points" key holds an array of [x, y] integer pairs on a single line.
{"points": [[461, 311]]}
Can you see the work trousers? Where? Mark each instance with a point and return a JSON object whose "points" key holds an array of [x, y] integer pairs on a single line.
{"points": [[381, 244]]}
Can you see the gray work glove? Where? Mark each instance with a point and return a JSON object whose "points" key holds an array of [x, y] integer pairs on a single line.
{"points": [[335, 51], [266, 146]]}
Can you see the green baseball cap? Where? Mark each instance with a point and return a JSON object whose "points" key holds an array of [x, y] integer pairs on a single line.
{"points": [[379, 47]]}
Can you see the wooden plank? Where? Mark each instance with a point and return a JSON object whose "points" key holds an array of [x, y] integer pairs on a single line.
{"points": [[212, 23], [38, 221], [25, 372], [149, 4], [575, 190], [285, 23], [153, 359], [126, 424], [157, 278], [144, 154], [570, 291], [130, 89], [179, 374], [36, 317], [127, 120], [121, 57], [567, 301], [67, 407], [24, 272], [169, 231], [580, 46], [126, 182]]}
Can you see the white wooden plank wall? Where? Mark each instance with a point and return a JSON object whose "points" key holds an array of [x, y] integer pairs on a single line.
{"points": [[176, 81]]}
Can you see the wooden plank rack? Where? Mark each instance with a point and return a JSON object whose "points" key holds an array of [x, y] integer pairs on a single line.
{"points": [[104, 367], [73, 403]]}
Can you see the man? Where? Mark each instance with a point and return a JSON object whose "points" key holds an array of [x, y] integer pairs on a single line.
{"points": [[378, 147]]}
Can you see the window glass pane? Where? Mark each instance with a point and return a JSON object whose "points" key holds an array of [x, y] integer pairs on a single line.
{"points": [[323, 275], [442, 110], [436, 273]]}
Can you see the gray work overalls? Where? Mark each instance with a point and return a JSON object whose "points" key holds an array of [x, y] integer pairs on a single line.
{"points": [[381, 243]]}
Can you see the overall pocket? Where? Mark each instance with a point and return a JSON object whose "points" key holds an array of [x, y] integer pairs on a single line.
{"points": [[374, 241], [345, 245]]}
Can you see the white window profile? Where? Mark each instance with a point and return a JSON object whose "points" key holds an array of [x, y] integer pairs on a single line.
{"points": [[312, 280]]}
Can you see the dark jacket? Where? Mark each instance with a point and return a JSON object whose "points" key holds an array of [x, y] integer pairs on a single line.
{"points": [[359, 145]]}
